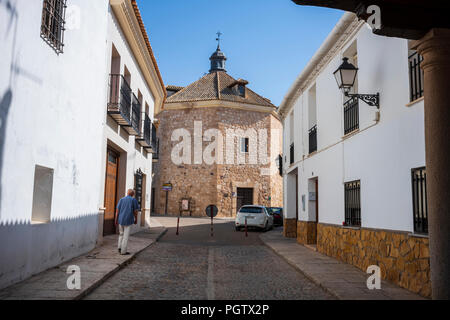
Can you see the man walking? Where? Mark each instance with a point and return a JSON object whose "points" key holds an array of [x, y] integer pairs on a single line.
{"points": [[126, 216]]}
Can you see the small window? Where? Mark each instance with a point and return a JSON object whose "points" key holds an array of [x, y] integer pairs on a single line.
{"points": [[353, 203], [420, 204], [241, 90], [42, 195], [245, 145], [52, 27]]}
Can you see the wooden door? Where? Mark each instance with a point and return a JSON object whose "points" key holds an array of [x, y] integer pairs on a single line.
{"points": [[244, 197], [112, 165]]}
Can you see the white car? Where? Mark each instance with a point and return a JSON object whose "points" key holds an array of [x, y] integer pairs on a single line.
{"points": [[257, 216]]}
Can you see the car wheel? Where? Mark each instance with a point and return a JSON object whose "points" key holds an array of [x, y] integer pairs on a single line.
{"points": [[266, 228]]}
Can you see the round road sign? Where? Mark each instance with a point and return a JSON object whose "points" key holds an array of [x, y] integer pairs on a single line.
{"points": [[211, 209]]}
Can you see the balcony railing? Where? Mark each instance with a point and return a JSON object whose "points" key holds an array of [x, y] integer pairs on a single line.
{"points": [[313, 139], [136, 109], [155, 149], [351, 115], [145, 137], [119, 101]]}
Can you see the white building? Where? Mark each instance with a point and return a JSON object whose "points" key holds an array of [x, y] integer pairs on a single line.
{"points": [[353, 173], [56, 126]]}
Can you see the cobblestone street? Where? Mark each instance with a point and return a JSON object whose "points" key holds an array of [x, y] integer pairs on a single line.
{"points": [[195, 265]]}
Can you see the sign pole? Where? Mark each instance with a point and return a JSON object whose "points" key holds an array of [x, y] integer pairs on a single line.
{"points": [[178, 225], [212, 224], [167, 202], [246, 229]]}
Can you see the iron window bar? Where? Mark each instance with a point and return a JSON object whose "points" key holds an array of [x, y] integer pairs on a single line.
{"points": [[353, 204], [420, 203], [53, 22], [416, 76], [351, 115], [313, 139]]}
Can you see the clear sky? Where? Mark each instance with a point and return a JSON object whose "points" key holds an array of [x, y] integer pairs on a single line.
{"points": [[267, 42]]}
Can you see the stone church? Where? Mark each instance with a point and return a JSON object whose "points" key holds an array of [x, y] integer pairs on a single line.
{"points": [[219, 145]]}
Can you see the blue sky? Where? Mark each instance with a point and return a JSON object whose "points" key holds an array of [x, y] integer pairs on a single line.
{"points": [[267, 42]]}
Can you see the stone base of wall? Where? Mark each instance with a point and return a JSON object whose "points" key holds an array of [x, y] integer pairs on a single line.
{"points": [[402, 258], [290, 228], [306, 232]]}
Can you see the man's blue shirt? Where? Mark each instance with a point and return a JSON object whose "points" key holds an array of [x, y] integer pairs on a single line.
{"points": [[126, 207]]}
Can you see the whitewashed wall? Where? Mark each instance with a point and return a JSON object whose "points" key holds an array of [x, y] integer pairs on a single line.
{"points": [[52, 111], [117, 137], [381, 155]]}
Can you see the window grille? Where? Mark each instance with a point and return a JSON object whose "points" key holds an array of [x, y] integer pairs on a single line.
{"points": [[53, 21], [353, 203], [420, 204]]}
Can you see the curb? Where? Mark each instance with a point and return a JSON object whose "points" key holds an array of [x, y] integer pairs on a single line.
{"points": [[317, 282], [119, 267]]}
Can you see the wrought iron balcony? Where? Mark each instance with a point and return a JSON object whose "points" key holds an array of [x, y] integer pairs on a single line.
{"points": [[119, 100], [145, 138], [155, 150], [313, 139], [155, 141], [134, 128]]}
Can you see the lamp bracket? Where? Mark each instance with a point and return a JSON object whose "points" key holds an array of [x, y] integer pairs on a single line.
{"points": [[371, 99]]}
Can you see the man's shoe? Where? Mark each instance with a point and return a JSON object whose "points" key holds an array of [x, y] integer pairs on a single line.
{"points": [[118, 250], [125, 254]]}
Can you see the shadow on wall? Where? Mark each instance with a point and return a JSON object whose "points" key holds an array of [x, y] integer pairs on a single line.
{"points": [[15, 70], [5, 104], [28, 249]]}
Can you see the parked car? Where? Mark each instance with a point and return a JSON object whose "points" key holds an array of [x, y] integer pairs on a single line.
{"points": [[257, 217], [277, 214]]}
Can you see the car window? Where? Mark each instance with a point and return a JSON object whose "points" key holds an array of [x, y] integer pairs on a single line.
{"points": [[251, 210], [276, 210]]}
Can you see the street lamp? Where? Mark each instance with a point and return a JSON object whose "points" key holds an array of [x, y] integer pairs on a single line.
{"points": [[345, 77]]}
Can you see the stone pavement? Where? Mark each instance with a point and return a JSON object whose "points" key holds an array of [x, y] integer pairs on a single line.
{"points": [[96, 267], [196, 266], [343, 280]]}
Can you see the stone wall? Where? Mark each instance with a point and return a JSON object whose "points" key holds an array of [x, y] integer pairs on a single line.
{"points": [[197, 181], [290, 228], [404, 259], [306, 232], [216, 183]]}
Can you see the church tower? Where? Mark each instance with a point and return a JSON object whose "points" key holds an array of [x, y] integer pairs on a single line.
{"points": [[218, 58], [226, 173]]}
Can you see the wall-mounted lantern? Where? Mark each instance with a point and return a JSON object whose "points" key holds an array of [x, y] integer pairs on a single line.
{"points": [[345, 77]]}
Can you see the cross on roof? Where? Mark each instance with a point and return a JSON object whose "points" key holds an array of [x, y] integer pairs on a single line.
{"points": [[219, 34]]}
